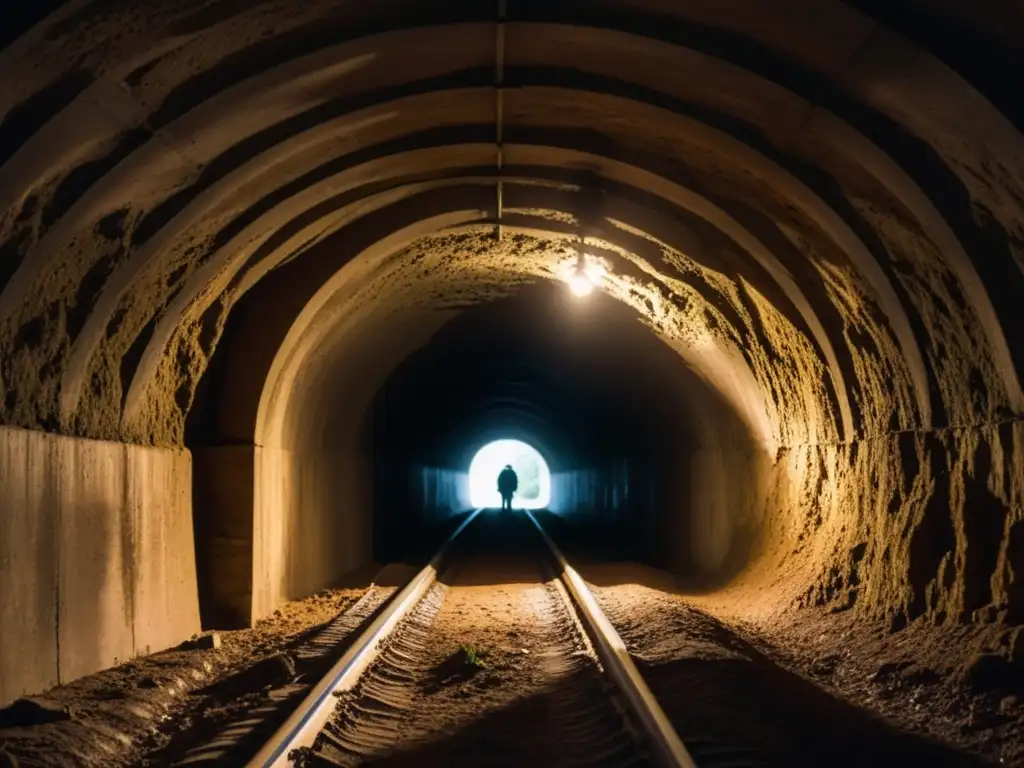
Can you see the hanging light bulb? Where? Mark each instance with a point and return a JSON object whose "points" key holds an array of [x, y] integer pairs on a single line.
{"points": [[579, 282]]}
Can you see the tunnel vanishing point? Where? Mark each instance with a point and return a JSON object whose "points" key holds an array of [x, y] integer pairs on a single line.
{"points": [[271, 272]]}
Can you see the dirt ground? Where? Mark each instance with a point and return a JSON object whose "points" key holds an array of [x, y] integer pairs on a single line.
{"points": [[118, 716], [948, 682], [491, 669], [815, 688]]}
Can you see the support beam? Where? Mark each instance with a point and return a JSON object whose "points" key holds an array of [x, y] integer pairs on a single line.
{"points": [[499, 105]]}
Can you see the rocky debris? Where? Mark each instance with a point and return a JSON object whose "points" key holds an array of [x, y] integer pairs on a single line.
{"points": [[889, 669], [206, 642], [826, 665], [34, 711], [270, 672], [919, 675], [946, 682], [993, 672]]}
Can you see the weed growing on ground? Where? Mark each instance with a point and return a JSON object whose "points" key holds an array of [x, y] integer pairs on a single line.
{"points": [[471, 657]]}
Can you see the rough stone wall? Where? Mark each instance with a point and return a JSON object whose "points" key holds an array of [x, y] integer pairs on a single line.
{"points": [[907, 526]]}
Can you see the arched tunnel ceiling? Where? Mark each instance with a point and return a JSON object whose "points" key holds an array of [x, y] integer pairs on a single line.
{"points": [[822, 216]]}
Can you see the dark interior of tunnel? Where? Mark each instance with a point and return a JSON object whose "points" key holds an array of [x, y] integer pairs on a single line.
{"points": [[273, 273], [583, 382]]}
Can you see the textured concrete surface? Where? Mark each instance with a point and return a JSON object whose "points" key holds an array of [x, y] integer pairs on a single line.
{"points": [[313, 523], [97, 556], [275, 525], [818, 205]]}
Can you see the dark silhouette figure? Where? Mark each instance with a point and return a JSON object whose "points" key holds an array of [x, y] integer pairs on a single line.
{"points": [[508, 481]]}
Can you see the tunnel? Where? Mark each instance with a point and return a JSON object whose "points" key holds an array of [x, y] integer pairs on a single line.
{"points": [[531, 487], [272, 273]]}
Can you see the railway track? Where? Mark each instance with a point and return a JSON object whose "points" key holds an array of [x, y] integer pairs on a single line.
{"points": [[495, 653]]}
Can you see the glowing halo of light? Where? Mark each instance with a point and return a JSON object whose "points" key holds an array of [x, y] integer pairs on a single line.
{"points": [[581, 285], [582, 274], [524, 458]]}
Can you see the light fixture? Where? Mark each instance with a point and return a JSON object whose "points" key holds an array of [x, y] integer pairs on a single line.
{"points": [[579, 282], [580, 285]]}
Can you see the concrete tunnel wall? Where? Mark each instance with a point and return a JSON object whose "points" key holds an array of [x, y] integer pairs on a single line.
{"points": [[821, 215], [95, 556], [310, 467]]}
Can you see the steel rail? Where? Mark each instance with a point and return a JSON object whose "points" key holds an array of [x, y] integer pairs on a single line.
{"points": [[306, 722], [668, 748]]}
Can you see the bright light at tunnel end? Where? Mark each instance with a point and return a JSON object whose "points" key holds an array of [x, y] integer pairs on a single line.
{"points": [[534, 476]]}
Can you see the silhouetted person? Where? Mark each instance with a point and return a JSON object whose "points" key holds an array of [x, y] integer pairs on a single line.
{"points": [[508, 481]]}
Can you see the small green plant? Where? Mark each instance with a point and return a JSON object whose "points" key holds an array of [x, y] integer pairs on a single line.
{"points": [[470, 656]]}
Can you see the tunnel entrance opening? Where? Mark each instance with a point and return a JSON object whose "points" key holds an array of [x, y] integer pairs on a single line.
{"points": [[534, 490]]}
